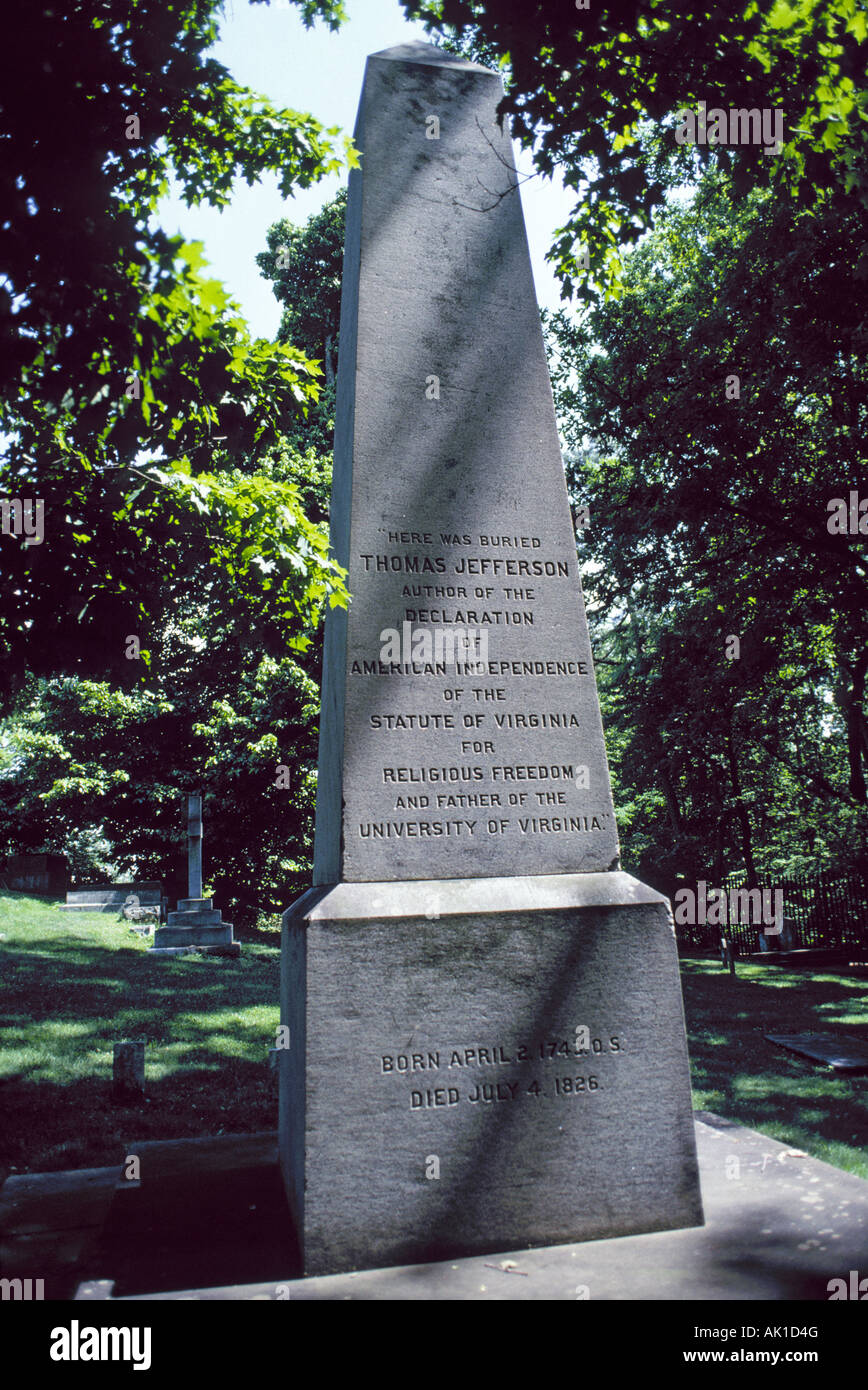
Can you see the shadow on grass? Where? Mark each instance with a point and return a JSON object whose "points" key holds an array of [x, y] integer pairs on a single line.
{"points": [[77, 982], [65, 1000], [738, 1073], [54, 1127], [234, 1228]]}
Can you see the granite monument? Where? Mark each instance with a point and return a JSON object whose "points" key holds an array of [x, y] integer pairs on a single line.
{"points": [[486, 1045]]}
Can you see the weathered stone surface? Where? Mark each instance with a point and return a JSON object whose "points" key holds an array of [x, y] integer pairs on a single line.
{"points": [[128, 1076], [451, 513], [840, 1052], [46, 874], [195, 917], [113, 897], [192, 928], [454, 1044], [194, 845], [780, 1226], [484, 1016]]}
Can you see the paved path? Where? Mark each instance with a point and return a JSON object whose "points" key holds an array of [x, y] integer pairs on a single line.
{"points": [[208, 1221]]}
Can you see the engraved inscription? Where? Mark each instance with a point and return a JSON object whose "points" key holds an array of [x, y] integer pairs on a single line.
{"points": [[456, 580], [530, 1077], [411, 556]]}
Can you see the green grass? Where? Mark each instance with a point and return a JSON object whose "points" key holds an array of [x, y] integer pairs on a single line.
{"points": [[73, 984], [739, 1075]]}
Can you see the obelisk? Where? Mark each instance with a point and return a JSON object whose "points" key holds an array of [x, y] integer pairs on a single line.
{"points": [[486, 1035]]}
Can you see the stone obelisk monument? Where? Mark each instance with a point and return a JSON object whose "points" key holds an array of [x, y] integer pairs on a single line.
{"points": [[486, 1038]]}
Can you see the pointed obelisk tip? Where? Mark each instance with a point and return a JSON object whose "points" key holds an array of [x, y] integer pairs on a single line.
{"points": [[429, 53]]}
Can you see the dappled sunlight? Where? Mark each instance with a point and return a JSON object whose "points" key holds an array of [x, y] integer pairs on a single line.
{"points": [[739, 1074], [768, 1083], [68, 993]]}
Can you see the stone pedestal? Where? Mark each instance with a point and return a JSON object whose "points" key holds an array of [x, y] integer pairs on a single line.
{"points": [[482, 1064], [196, 923]]}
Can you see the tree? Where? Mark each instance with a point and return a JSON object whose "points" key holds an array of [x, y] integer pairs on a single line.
{"points": [[146, 641], [305, 265], [121, 358], [96, 770], [725, 395], [596, 91], [98, 774]]}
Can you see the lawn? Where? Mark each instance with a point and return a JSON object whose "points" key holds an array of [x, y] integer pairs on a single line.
{"points": [[736, 1073], [71, 985]]}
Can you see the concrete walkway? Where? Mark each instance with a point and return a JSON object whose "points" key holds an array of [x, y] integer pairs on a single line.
{"points": [[208, 1221]]}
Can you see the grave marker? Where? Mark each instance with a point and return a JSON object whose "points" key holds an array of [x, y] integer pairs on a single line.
{"points": [[128, 1071], [197, 924], [487, 1039], [194, 845]]}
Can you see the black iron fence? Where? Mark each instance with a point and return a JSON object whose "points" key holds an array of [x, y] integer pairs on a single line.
{"points": [[819, 910]]}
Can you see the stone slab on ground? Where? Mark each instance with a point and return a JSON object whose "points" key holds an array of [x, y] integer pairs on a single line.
{"points": [[49, 1222], [32, 1202], [779, 1226], [807, 957], [165, 1161], [209, 1218], [202, 1209], [842, 1054], [230, 949], [112, 897]]}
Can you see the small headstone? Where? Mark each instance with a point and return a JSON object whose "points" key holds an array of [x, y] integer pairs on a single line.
{"points": [[128, 1076], [488, 1047], [727, 955]]}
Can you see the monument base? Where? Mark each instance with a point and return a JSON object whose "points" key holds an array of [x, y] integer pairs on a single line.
{"points": [[482, 1064], [231, 950], [196, 923]]}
